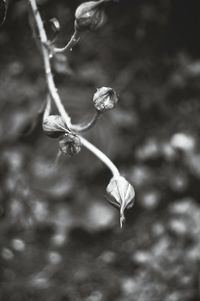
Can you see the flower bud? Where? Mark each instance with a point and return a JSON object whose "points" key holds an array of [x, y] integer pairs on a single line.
{"points": [[70, 144], [54, 126], [89, 15], [105, 99], [55, 25], [121, 194]]}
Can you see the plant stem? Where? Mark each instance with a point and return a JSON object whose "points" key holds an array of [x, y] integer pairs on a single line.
{"points": [[47, 65], [73, 41], [84, 127], [98, 153]]}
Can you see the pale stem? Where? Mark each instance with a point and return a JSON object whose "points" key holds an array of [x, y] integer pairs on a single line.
{"points": [[73, 41], [84, 127], [98, 153], [47, 109], [47, 65]]}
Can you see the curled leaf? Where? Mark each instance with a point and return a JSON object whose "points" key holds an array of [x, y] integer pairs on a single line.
{"points": [[121, 194]]}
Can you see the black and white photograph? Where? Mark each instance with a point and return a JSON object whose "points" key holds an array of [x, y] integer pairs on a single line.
{"points": [[99, 150]]}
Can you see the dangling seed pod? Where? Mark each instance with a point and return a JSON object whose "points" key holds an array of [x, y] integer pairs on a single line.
{"points": [[54, 126], [89, 16], [105, 99], [70, 144], [121, 194]]}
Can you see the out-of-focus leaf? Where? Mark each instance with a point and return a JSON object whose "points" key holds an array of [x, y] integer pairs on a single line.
{"points": [[3, 11]]}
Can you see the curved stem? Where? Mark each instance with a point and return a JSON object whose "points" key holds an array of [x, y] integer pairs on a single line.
{"points": [[84, 127], [98, 153], [73, 41]]}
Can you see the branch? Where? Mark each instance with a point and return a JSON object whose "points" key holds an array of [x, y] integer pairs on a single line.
{"points": [[47, 65], [55, 96]]}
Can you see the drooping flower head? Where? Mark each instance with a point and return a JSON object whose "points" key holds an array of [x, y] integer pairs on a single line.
{"points": [[121, 194], [89, 16]]}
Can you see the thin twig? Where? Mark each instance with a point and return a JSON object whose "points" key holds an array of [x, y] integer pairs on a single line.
{"points": [[73, 41], [84, 127]]}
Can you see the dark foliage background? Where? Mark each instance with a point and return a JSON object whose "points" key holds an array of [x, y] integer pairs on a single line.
{"points": [[59, 239]]}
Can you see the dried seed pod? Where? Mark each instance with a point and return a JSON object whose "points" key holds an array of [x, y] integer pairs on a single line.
{"points": [[121, 194], [89, 16], [105, 99], [70, 144], [54, 126]]}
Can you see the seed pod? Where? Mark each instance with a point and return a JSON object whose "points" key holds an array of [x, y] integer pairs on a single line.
{"points": [[105, 99], [54, 126], [121, 194], [89, 16], [70, 144]]}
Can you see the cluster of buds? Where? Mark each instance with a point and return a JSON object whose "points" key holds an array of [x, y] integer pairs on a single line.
{"points": [[121, 193], [54, 127], [89, 16]]}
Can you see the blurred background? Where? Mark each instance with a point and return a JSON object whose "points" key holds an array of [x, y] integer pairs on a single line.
{"points": [[59, 238]]}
